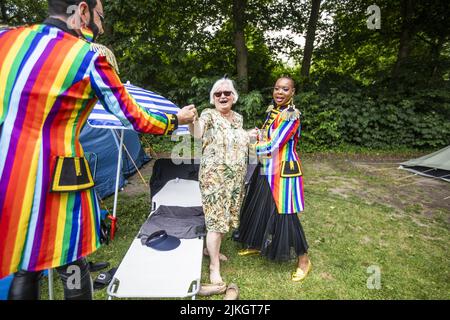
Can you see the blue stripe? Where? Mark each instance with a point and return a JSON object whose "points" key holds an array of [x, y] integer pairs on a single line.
{"points": [[102, 122], [144, 92], [103, 111], [157, 103], [286, 194], [27, 251], [141, 96], [97, 214], [296, 195], [75, 226], [82, 69], [136, 91], [34, 43], [118, 124]]}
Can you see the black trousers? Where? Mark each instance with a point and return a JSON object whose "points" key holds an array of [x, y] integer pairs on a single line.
{"points": [[75, 278]]}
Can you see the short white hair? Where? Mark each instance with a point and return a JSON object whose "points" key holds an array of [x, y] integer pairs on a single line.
{"points": [[223, 82]]}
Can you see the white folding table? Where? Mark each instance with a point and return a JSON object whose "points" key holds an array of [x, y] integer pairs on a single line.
{"points": [[148, 273]]}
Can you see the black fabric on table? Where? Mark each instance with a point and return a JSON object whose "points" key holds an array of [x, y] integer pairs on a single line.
{"points": [[180, 222]]}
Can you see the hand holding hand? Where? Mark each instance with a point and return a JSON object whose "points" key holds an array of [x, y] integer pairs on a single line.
{"points": [[253, 134], [187, 115]]}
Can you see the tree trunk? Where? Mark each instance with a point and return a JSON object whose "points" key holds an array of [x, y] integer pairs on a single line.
{"points": [[239, 7], [405, 37], [436, 49], [310, 37]]}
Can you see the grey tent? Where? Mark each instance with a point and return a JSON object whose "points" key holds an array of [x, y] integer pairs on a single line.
{"points": [[435, 165]]}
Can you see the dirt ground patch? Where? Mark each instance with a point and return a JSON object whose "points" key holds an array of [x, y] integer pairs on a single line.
{"points": [[384, 183]]}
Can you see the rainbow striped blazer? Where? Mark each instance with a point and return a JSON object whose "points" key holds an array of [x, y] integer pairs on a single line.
{"points": [[277, 151], [49, 83]]}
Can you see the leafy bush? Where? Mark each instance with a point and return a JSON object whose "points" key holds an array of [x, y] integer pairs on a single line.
{"points": [[319, 122], [367, 117], [383, 119]]}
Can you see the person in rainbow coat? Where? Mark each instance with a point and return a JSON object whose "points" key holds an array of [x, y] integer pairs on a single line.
{"points": [[51, 76], [269, 222]]}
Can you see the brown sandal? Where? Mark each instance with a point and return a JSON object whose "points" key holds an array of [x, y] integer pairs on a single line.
{"points": [[232, 292], [208, 289]]}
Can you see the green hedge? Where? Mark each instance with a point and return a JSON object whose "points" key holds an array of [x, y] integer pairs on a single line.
{"points": [[383, 119], [352, 116]]}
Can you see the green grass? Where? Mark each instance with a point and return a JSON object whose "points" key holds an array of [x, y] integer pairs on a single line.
{"points": [[346, 236]]}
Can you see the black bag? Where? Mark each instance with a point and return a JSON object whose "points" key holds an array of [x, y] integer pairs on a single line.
{"points": [[71, 174], [291, 169]]}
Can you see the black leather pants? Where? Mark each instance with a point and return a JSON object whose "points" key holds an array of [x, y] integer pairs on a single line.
{"points": [[75, 278]]}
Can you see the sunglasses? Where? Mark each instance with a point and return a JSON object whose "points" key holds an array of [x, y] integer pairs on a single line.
{"points": [[101, 16], [218, 94]]}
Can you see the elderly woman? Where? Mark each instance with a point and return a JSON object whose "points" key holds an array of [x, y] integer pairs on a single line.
{"points": [[222, 167]]}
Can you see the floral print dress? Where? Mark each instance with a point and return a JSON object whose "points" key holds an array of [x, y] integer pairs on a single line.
{"points": [[223, 167]]}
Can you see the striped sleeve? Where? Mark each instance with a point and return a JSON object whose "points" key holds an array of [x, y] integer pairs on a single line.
{"points": [[279, 137], [116, 99]]}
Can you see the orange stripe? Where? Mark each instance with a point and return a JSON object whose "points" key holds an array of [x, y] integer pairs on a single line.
{"points": [[83, 117], [58, 130], [36, 105], [48, 236], [86, 223], [141, 117], [34, 114], [69, 109], [17, 185], [276, 184], [52, 213], [7, 42], [58, 127], [277, 173], [28, 138], [81, 122]]}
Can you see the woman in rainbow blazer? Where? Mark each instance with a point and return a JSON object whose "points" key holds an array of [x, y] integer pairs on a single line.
{"points": [[269, 218], [51, 77]]}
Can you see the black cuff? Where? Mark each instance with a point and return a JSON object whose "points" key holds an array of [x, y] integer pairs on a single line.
{"points": [[172, 124]]}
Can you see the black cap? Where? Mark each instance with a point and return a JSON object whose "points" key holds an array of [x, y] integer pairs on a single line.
{"points": [[161, 241]]}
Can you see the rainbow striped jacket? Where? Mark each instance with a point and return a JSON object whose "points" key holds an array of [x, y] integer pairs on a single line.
{"points": [[49, 83], [280, 161]]}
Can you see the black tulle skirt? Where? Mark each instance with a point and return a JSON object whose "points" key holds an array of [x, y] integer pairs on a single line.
{"points": [[280, 237]]}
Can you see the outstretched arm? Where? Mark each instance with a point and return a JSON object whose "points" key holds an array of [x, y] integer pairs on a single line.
{"points": [[116, 99], [279, 137]]}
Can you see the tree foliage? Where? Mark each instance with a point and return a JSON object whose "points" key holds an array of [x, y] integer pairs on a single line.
{"points": [[373, 88]]}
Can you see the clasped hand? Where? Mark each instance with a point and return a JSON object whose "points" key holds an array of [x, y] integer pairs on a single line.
{"points": [[253, 134], [187, 114]]}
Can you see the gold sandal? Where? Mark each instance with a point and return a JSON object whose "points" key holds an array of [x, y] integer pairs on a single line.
{"points": [[248, 252], [299, 274]]}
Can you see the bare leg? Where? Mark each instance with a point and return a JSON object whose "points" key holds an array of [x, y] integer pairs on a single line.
{"points": [[303, 262], [213, 242], [222, 257]]}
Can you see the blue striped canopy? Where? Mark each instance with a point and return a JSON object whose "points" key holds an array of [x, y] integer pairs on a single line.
{"points": [[150, 101]]}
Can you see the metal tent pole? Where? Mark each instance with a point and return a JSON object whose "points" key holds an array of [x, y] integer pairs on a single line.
{"points": [[116, 190], [50, 284]]}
